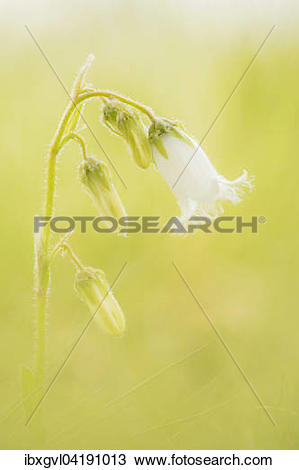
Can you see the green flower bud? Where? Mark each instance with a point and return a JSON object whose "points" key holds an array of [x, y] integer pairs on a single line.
{"points": [[96, 178], [93, 289], [162, 127], [128, 124]]}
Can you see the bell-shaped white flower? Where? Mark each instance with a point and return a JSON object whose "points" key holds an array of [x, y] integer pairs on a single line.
{"points": [[195, 182]]}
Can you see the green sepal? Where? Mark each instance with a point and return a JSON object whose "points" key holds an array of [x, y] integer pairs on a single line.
{"points": [[93, 170], [161, 127], [160, 147], [137, 140]]}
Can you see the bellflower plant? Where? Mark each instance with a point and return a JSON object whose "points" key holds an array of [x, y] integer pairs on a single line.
{"points": [[153, 141]]}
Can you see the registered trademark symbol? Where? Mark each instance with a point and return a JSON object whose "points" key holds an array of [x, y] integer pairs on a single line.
{"points": [[262, 219]]}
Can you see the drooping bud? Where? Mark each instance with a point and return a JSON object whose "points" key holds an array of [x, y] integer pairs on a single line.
{"points": [[128, 124], [93, 289], [96, 178]]}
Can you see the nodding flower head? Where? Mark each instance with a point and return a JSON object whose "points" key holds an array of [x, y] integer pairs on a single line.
{"points": [[195, 182], [128, 124], [93, 289], [96, 178]]}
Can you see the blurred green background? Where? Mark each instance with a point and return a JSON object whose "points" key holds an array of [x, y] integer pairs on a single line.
{"points": [[183, 58]]}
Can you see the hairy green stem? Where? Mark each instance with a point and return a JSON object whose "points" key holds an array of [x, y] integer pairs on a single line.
{"points": [[77, 138], [43, 250], [111, 94], [42, 254]]}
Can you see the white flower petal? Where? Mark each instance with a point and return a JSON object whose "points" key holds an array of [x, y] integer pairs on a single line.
{"points": [[195, 182]]}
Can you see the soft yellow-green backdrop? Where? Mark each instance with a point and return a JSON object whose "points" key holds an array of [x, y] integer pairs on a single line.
{"points": [[183, 58]]}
